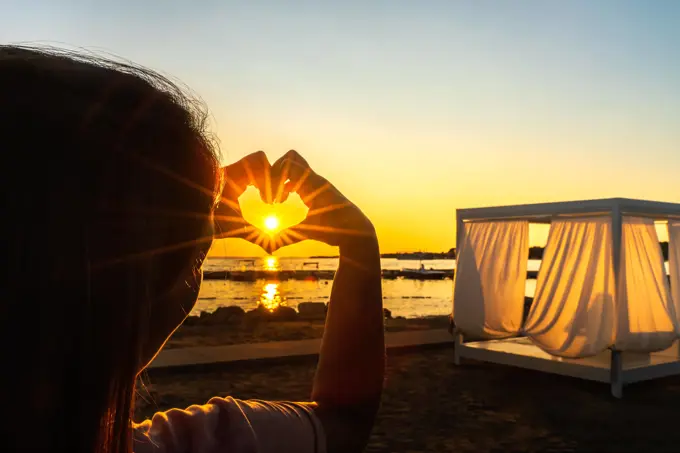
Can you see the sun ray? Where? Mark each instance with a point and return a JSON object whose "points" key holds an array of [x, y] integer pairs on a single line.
{"points": [[282, 182], [267, 187], [282, 240], [231, 218], [204, 240], [334, 230], [294, 234], [249, 171], [164, 212], [238, 232], [301, 180], [254, 235], [173, 175], [333, 207], [234, 187], [253, 180], [288, 237], [311, 196]]}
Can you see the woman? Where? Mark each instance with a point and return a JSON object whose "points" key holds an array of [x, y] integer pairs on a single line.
{"points": [[112, 196]]}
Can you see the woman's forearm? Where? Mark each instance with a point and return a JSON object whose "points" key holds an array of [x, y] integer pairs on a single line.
{"points": [[352, 361], [349, 378]]}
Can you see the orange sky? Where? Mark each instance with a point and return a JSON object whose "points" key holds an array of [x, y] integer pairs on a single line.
{"points": [[419, 214], [414, 108]]}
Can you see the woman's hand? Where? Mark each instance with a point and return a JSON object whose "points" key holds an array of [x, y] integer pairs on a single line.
{"points": [[331, 219], [254, 169], [350, 374]]}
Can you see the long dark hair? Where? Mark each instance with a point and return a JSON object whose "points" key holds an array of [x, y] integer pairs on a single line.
{"points": [[108, 183]]}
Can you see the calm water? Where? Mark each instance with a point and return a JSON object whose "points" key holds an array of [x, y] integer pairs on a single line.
{"points": [[409, 298]]}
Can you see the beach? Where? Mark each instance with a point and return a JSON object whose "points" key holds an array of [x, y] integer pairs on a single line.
{"points": [[430, 405]]}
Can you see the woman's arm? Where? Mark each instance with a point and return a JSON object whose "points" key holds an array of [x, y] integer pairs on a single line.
{"points": [[349, 378]]}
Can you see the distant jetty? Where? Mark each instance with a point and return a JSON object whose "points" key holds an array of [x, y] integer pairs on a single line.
{"points": [[535, 253], [451, 254]]}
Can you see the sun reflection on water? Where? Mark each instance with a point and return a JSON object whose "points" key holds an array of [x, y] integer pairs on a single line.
{"points": [[271, 296], [271, 263]]}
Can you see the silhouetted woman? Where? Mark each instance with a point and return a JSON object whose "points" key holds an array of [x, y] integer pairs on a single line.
{"points": [[112, 194]]}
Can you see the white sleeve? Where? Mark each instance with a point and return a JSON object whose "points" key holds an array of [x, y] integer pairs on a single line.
{"points": [[227, 425]]}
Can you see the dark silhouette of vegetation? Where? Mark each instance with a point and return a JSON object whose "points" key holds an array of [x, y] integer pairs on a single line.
{"points": [[535, 253]]}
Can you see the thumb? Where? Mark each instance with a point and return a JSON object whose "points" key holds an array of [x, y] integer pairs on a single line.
{"points": [[308, 229], [240, 229]]}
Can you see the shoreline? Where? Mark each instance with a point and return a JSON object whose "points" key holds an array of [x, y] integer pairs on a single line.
{"points": [[231, 325]]}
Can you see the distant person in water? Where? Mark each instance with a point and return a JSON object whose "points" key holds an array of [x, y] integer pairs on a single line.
{"points": [[112, 196]]}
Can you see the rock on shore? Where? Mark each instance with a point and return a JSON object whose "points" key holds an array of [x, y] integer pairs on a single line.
{"points": [[231, 315]]}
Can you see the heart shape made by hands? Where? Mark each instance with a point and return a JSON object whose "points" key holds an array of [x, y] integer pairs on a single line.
{"points": [[271, 218]]}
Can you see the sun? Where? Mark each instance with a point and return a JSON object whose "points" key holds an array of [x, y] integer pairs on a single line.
{"points": [[271, 222]]}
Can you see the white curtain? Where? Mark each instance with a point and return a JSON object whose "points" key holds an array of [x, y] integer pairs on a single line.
{"points": [[577, 309], [646, 316], [490, 278], [573, 310]]}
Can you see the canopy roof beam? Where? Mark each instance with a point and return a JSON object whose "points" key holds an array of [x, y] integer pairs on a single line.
{"points": [[545, 212]]}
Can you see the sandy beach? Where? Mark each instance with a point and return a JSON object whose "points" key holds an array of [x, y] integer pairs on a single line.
{"points": [[430, 405]]}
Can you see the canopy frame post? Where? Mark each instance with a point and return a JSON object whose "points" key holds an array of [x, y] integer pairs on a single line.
{"points": [[460, 237], [458, 335], [616, 367], [457, 345]]}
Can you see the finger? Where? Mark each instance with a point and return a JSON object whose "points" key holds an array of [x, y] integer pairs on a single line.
{"points": [[258, 170], [280, 180], [293, 167], [309, 229], [229, 223], [317, 227], [235, 174], [239, 230], [281, 175], [285, 238], [253, 169], [287, 168], [312, 188]]}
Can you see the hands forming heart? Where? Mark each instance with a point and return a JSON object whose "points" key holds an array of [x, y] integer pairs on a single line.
{"points": [[331, 219]]}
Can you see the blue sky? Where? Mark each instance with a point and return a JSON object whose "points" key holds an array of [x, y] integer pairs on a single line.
{"points": [[416, 108]]}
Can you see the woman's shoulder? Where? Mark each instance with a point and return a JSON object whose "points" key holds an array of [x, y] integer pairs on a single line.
{"points": [[232, 425]]}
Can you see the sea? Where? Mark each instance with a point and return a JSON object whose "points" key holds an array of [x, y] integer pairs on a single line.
{"points": [[407, 298]]}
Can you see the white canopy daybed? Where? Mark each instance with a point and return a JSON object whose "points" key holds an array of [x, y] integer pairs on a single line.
{"points": [[603, 308]]}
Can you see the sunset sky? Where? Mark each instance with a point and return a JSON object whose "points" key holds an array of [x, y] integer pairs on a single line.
{"points": [[413, 108]]}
